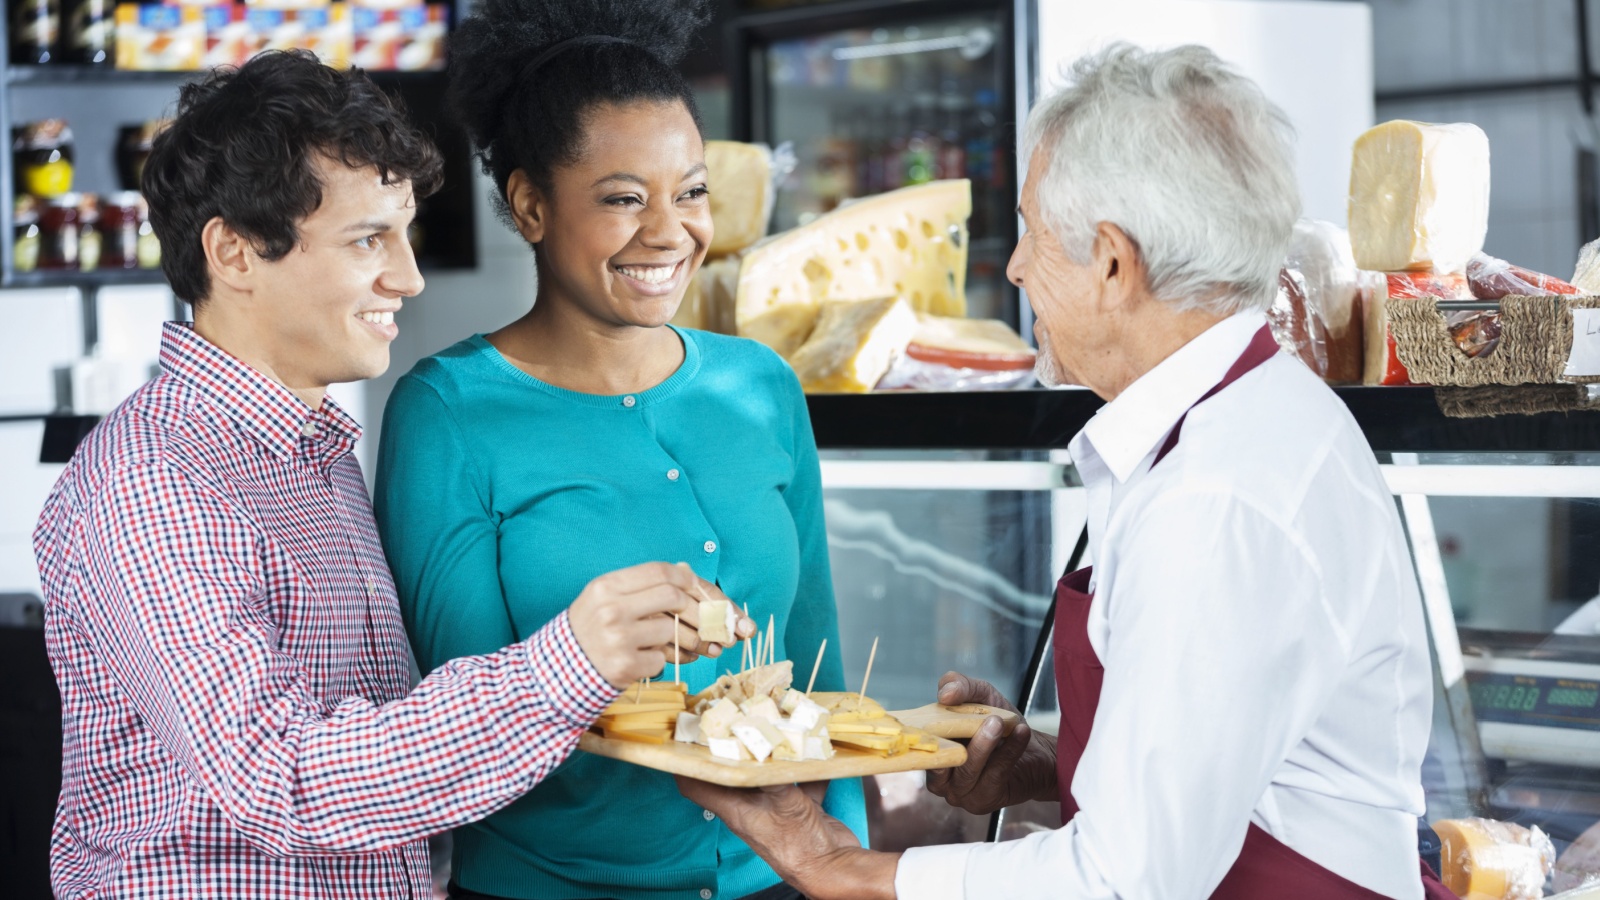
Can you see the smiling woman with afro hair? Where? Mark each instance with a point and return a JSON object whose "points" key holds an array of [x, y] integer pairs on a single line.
{"points": [[589, 435]]}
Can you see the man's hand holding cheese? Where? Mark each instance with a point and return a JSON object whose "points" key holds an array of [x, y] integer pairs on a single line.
{"points": [[1243, 673]]}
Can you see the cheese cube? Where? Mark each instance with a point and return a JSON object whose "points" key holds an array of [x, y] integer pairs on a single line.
{"points": [[1419, 196], [818, 748], [718, 720], [809, 716], [854, 344], [791, 699], [794, 736], [714, 618], [910, 243], [761, 708], [728, 748], [687, 728], [758, 736], [740, 178]]}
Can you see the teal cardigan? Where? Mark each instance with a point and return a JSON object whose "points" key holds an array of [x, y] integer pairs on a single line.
{"points": [[500, 496]]}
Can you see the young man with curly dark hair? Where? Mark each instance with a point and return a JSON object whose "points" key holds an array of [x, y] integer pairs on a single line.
{"points": [[238, 713]]}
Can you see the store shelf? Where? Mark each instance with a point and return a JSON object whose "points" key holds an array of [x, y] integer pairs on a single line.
{"points": [[94, 278], [77, 74], [1394, 420]]}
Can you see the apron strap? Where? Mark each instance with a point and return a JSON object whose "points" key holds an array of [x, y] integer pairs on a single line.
{"points": [[1263, 346]]}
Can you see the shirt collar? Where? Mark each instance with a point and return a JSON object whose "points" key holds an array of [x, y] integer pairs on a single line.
{"points": [[281, 421], [1127, 429]]}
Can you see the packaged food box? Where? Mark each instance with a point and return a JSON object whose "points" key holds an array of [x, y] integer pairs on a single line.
{"points": [[160, 37], [409, 39]]}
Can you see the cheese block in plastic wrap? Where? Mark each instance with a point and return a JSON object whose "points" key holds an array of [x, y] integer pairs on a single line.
{"points": [[1484, 859], [740, 178], [910, 243], [1317, 313], [1419, 196], [1383, 365], [1586, 277], [708, 300], [854, 344], [949, 354]]}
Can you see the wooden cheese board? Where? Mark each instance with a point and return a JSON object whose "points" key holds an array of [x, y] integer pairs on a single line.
{"points": [[695, 761]]}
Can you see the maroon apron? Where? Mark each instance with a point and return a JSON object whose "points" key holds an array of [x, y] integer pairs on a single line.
{"points": [[1267, 869]]}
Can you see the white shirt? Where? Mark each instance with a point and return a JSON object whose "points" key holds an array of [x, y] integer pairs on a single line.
{"points": [[1264, 649]]}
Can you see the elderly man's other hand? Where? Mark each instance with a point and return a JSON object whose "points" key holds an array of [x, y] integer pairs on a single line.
{"points": [[999, 771], [811, 850]]}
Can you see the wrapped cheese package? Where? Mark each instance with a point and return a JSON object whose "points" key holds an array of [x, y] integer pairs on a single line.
{"points": [[1382, 364], [1419, 196], [1317, 313], [910, 243], [1492, 279], [1484, 859], [743, 179], [949, 354]]}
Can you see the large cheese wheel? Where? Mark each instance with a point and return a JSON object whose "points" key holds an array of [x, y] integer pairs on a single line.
{"points": [[909, 244]]}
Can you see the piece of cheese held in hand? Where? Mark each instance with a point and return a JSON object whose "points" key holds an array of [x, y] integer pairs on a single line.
{"points": [[853, 345], [909, 243], [740, 178], [1419, 196]]}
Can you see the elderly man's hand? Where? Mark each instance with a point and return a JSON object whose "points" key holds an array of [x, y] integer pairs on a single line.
{"points": [[811, 850], [999, 771]]}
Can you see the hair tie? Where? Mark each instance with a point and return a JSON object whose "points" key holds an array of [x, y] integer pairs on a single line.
{"points": [[561, 47]]}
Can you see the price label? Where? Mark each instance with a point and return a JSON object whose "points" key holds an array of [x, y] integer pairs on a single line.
{"points": [[1585, 358]]}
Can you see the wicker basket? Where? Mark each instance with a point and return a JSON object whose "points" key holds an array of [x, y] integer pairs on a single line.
{"points": [[1535, 342]]}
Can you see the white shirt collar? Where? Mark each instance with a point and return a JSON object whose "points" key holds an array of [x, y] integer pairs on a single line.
{"points": [[1127, 429]]}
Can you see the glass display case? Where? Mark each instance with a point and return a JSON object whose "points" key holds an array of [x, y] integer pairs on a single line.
{"points": [[950, 517]]}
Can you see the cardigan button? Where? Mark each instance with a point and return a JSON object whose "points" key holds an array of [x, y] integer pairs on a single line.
{"points": [[629, 401], [711, 546], [708, 814], [672, 474], [705, 894]]}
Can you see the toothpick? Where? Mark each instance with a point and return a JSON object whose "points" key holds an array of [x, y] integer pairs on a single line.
{"points": [[677, 654], [868, 674], [818, 665], [772, 650], [749, 651]]}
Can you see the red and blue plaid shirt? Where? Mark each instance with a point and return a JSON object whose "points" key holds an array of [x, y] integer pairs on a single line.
{"points": [[238, 715]]}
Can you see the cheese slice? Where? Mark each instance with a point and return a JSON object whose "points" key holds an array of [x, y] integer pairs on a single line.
{"points": [[714, 618], [854, 344], [910, 243], [1419, 196], [969, 344], [740, 178]]}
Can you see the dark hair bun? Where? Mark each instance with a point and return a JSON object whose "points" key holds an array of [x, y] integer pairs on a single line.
{"points": [[532, 120]]}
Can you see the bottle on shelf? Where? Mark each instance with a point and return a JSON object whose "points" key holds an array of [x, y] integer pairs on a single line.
{"points": [[43, 157], [35, 31], [89, 32], [920, 156]]}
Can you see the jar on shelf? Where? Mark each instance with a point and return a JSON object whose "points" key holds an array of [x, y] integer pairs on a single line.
{"points": [[60, 228], [133, 148], [35, 29], [44, 158], [88, 232], [25, 240], [88, 35], [121, 216], [149, 248]]}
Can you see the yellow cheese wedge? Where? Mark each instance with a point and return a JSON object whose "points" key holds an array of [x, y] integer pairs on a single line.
{"points": [[972, 343], [1419, 196], [740, 178], [619, 707], [846, 702], [854, 344], [909, 243], [650, 721], [1487, 860], [708, 299], [876, 725], [885, 742], [638, 737]]}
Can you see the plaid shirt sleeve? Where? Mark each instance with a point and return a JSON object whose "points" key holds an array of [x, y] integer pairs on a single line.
{"points": [[187, 629]]}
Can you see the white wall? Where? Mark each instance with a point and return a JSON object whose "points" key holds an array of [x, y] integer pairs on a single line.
{"points": [[1313, 59]]}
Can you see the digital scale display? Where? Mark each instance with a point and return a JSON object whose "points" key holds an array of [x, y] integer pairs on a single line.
{"points": [[1535, 700]]}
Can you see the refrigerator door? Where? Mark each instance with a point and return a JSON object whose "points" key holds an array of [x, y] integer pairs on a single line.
{"points": [[907, 99], [1313, 59]]}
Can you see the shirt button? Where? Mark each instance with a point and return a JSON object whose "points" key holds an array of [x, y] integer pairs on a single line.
{"points": [[705, 894], [711, 546], [672, 474], [709, 815], [629, 402], [309, 429]]}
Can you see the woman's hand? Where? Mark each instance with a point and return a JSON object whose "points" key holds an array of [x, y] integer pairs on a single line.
{"points": [[623, 620], [999, 771], [809, 849]]}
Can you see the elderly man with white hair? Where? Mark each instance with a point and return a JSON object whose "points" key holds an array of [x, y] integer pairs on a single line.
{"points": [[1243, 675]]}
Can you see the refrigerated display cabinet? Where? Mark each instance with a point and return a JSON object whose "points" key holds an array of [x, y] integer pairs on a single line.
{"points": [[951, 516], [878, 95]]}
